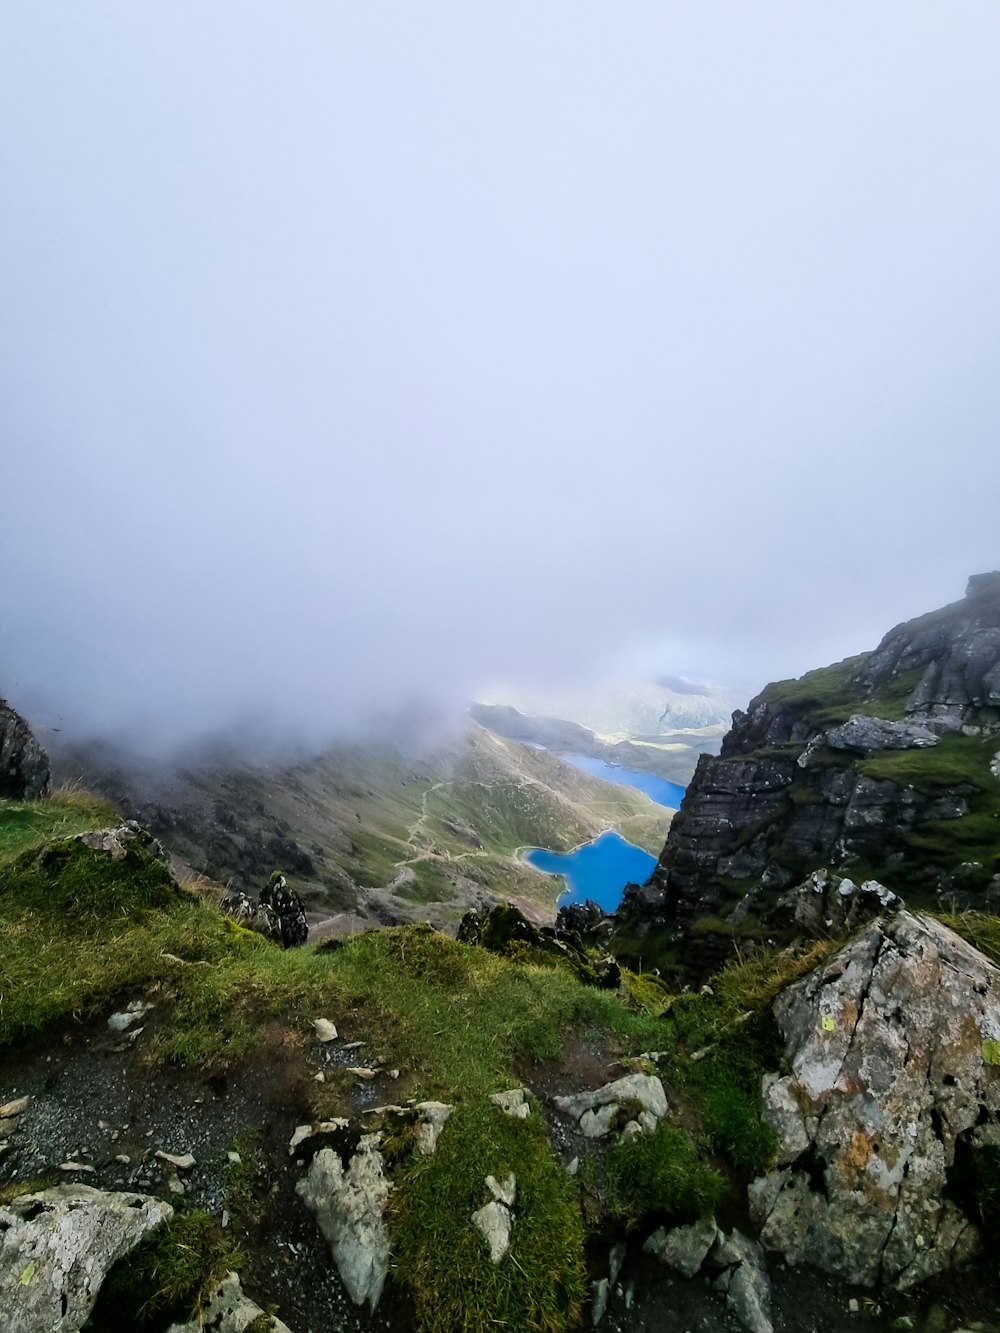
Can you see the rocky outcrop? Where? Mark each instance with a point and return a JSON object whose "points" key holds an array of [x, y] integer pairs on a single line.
{"points": [[24, 765], [893, 1048], [868, 765], [601, 1110], [507, 931], [57, 1246], [229, 1310]]}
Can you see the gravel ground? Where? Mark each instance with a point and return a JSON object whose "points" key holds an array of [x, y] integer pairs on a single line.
{"points": [[93, 1102]]}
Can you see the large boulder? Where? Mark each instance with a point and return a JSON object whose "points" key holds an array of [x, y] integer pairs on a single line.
{"points": [[893, 1049], [349, 1203], [56, 1248], [24, 765]]}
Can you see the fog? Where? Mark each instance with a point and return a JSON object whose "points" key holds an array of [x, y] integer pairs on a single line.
{"points": [[354, 355]]}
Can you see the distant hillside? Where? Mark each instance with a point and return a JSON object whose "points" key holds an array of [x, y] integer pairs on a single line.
{"points": [[622, 706], [370, 830], [658, 726]]}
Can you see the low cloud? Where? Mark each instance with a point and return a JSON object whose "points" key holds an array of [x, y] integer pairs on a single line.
{"points": [[378, 366]]}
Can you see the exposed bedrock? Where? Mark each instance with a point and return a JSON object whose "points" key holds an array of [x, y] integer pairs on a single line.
{"points": [[893, 1049]]}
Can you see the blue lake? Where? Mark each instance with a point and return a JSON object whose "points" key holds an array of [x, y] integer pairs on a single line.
{"points": [[657, 789], [598, 870]]}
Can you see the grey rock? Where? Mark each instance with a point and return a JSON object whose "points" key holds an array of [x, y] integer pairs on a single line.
{"points": [[615, 1260], [504, 1191], [133, 1013], [599, 1292], [117, 841], [350, 1205], [768, 791], [228, 1310], [597, 1124], [684, 1249], [57, 1246], [891, 1047], [869, 735], [494, 1222], [432, 1120], [744, 1280], [646, 1089], [512, 1103], [303, 1132], [826, 903], [24, 765]]}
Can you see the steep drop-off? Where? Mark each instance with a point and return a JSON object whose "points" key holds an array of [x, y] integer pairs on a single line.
{"points": [[883, 765]]}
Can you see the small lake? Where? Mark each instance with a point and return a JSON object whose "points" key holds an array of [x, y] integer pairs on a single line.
{"points": [[598, 870], [656, 788]]}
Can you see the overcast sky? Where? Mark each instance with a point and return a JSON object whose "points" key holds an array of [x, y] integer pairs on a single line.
{"points": [[360, 353]]}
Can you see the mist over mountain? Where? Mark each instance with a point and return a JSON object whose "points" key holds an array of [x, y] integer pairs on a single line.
{"points": [[411, 355]]}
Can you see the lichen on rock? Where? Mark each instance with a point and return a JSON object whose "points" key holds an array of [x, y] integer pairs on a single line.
{"points": [[885, 1045]]}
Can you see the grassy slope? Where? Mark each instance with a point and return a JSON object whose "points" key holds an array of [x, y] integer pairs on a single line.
{"points": [[423, 836], [79, 932]]}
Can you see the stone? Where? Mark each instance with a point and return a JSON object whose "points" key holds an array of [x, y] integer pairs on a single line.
{"points": [[646, 1089], [228, 1309], [432, 1120], [503, 1192], [325, 1030], [684, 1249], [76, 1166], [869, 735], [349, 1204], [826, 904], [183, 1162], [616, 1259], [596, 1124], [494, 1222], [599, 1292], [512, 1103], [890, 1047], [131, 1014], [303, 1132], [11, 1110], [57, 1246], [24, 765], [117, 841], [744, 1280]]}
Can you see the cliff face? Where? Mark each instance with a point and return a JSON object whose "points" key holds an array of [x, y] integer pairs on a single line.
{"points": [[884, 766], [24, 766]]}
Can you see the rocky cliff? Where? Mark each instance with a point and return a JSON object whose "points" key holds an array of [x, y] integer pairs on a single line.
{"points": [[884, 766], [24, 766]]}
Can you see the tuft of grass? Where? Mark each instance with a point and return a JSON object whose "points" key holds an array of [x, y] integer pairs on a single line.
{"points": [[442, 1259], [735, 1036], [25, 825], [166, 1277], [660, 1175]]}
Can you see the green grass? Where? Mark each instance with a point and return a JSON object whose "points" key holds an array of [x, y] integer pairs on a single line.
{"points": [[661, 1176], [955, 761], [734, 1033], [166, 1277], [828, 695], [79, 932], [540, 1282], [28, 824]]}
